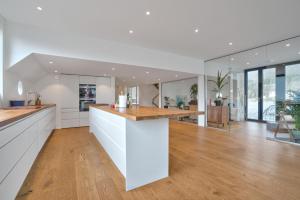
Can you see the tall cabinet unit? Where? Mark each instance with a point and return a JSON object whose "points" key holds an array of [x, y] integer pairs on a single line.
{"points": [[69, 95], [70, 101]]}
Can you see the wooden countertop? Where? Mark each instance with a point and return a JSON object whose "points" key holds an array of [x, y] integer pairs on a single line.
{"points": [[11, 114], [138, 113]]}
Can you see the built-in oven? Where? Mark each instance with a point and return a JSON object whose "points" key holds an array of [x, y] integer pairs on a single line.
{"points": [[84, 104], [87, 96], [87, 91]]}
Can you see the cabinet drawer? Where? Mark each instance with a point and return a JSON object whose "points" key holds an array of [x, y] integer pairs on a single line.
{"points": [[69, 123], [70, 115], [84, 115], [66, 110], [84, 122], [13, 151]]}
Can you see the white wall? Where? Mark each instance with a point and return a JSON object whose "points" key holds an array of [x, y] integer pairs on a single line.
{"points": [[147, 92], [11, 87], [2, 23], [174, 88], [23, 40]]}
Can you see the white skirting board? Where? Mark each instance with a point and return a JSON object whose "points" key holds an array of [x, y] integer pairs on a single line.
{"points": [[140, 149]]}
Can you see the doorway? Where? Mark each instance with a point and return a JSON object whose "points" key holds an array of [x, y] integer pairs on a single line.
{"points": [[260, 94]]}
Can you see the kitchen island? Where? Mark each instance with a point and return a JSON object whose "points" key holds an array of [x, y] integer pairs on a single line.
{"points": [[136, 139]]}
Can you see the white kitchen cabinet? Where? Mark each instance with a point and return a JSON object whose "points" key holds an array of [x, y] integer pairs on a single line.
{"points": [[21, 142], [87, 80], [69, 101], [105, 90], [69, 91]]}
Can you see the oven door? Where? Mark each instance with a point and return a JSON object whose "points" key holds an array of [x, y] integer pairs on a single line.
{"points": [[84, 105]]}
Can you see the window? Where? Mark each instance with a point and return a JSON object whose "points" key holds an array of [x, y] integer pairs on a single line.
{"points": [[292, 80], [20, 88], [133, 93]]}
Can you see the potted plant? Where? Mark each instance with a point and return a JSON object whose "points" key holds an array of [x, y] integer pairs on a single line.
{"points": [[194, 94], [219, 83], [294, 110]]}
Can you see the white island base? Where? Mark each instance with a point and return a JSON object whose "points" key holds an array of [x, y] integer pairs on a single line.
{"points": [[140, 149]]}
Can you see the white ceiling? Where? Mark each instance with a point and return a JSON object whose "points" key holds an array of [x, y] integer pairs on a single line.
{"points": [[277, 53], [170, 27], [36, 66]]}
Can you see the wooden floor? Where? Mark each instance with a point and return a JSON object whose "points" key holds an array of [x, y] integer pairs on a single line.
{"points": [[204, 164]]}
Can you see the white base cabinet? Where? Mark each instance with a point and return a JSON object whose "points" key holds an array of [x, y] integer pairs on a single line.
{"points": [[20, 143]]}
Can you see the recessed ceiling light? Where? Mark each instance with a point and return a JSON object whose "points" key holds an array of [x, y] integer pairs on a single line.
{"points": [[256, 54], [55, 71], [147, 72], [248, 63], [56, 77], [299, 52], [104, 74], [230, 43], [158, 79], [50, 62], [196, 30], [113, 69], [133, 77], [148, 13], [288, 45], [176, 75], [232, 59], [130, 31], [39, 8]]}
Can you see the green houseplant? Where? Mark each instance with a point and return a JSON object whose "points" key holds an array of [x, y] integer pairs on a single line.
{"points": [[220, 82], [294, 110], [194, 94]]}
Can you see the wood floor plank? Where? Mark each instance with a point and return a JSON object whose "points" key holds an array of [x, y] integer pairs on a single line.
{"points": [[204, 164]]}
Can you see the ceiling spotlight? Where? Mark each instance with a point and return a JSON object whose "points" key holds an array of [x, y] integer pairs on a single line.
{"points": [[50, 62], [56, 71], [176, 75], [256, 54], [248, 63], [130, 31], [158, 79], [299, 52], [232, 59], [196, 30], [113, 69], [288, 45], [39, 8], [147, 72], [104, 74], [147, 12], [230, 43]]}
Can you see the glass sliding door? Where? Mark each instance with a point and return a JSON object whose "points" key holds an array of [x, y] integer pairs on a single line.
{"points": [[269, 94], [261, 94], [252, 95]]}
